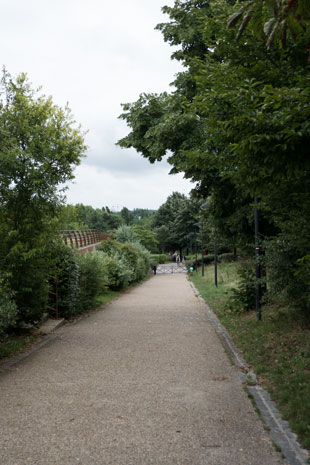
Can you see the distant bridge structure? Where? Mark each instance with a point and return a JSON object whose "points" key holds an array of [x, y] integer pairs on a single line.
{"points": [[84, 240]]}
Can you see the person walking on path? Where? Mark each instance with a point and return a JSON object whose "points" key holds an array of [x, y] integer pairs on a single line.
{"points": [[144, 381]]}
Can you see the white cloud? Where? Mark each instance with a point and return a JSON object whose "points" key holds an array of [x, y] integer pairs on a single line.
{"points": [[96, 55], [104, 188]]}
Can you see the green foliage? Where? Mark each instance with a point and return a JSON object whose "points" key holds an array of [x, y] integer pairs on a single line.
{"points": [[144, 261], [157, 259], [243, 297], [40, 147], [110, 247], [83, 278], [277, 348], [146, 237], [67, 270], [93, 279], [68, 218], [127, 216], [227, 257], [117, 272], [27, 264], [125, 233], [133, 258], [8, 308], [174, 221], [142, 216], [99, 218], [288, 275], [129, 257], [237, 123], [282, 20]]}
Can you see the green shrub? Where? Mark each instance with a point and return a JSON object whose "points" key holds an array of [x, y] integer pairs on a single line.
{"points": [[125, 234], [227, 257], [130, 257], [207, 259], [154, 260], [27, 268], [134, 257], [244, 296], [66, 269], [144, 259], [8, 308], [93, 280], [288, 274], [118, 274], [109, 246]]}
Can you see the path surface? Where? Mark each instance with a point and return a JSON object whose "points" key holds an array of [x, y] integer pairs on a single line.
{"points": [[144, 381]]}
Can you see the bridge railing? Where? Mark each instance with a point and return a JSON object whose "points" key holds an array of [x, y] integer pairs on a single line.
{"points": [[78, 238]]}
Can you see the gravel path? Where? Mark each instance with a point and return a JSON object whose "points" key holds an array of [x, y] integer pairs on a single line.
{"points": [[144, 381]]}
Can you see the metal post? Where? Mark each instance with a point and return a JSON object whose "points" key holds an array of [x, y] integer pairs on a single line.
{"points": [[257, 263], [215, 262]]}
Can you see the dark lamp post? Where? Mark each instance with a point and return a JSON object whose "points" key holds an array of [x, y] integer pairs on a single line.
{"points": [[215, 261], [202, 261], [257, 263], [205, 205]]}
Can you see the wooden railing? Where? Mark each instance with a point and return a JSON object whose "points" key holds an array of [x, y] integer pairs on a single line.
{"points": [[79, 238]]}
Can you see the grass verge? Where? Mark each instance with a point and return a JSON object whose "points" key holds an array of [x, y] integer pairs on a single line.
{"points": [[19, 341], [278, 347]]}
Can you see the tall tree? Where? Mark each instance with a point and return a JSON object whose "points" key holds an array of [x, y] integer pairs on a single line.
{"points": [[174, 221], [237, 122], [127, 216], [40, 147], [275, 19]]}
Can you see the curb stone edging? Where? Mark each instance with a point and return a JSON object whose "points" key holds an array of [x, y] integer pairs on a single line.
{"points": [[6, 364], [280, 432], [47, 329]]}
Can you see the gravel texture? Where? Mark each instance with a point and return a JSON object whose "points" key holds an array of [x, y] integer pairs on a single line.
{"points": [[143, 381]]}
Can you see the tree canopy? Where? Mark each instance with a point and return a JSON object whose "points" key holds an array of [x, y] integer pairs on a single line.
{"points": [[40, 147], [237, 121]]}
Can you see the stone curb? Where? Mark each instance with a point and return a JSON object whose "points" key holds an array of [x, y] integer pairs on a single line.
{"points": [[50, 325], [280, 432], [47, 329]]}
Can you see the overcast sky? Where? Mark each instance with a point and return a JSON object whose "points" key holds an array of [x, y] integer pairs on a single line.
{"points": [[95, 55]]}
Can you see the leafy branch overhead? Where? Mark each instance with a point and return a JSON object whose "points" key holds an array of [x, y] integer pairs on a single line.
{"points": [[275, 19], [237, 120]]}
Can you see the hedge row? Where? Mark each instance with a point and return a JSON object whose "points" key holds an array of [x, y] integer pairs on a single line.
{"points": [[207, 259], [81, 279], [158, 259]]}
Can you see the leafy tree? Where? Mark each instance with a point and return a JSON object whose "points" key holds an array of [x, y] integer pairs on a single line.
{"points": [[40, 146], [125, 233], [275, 19], [8, 309], [238, 120], [127, 216], [69, 219], [174, 220], [146, 237], [142, 216], [99, 218]]}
